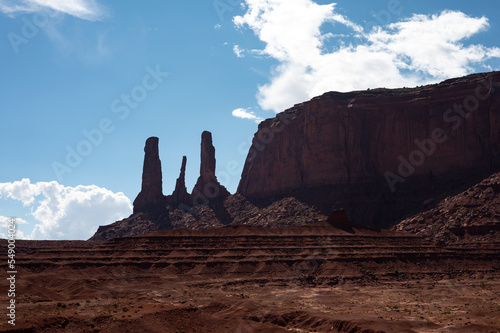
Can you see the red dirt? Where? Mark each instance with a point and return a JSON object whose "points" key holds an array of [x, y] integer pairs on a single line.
{"points": [[252, 279]]}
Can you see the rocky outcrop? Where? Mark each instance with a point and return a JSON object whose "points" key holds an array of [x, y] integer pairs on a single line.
{"points": [[180, 197], [237, 211], [378, 153], [151, 199], [206, 191], [382, 155], [471, 216], [205, 208], [134, 225], [207, 188]]}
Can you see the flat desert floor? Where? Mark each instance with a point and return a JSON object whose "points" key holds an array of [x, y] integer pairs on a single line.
{"points": [[303, 279]]}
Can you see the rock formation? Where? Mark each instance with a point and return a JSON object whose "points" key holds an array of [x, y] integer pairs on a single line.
{"points": [[378, 153], [207, 188], [180, 197], [237, 211], [471, 216], [381, 154], [204, 208], [151, 200]]}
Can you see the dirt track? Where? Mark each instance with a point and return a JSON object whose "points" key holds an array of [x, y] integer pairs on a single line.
{"points": [[252, 279]]}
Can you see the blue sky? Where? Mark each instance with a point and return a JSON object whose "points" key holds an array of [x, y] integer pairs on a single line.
{"points": [[97, 78]]}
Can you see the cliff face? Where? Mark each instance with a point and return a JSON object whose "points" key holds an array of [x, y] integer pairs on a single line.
{"points": [[378, 153]]}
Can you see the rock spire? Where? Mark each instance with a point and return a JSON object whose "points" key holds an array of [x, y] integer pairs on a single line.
{"points": [[207, 187], [180, 196], [151, 199]]}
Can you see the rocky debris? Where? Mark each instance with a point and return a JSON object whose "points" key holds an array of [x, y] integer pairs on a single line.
{"points": [[207, 188], [197, 218], [180, 196], [378, 153], [134, 225], [286, 212], [471, 216], [240, 211], [151, 199]]}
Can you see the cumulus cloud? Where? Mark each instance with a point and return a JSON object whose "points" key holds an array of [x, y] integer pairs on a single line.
{"points": [[84, 9], [22, 191], [64, 212], [246, 114], [418, 50], [5, 223]]}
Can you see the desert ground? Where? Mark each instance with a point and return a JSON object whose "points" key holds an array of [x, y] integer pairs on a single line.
{"points": [[314, 278]]}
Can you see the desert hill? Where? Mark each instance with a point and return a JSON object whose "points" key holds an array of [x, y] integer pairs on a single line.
{"points": [[471, 216]]}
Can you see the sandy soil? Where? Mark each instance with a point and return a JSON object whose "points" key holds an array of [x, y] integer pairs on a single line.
{"points": [[305, 279]]}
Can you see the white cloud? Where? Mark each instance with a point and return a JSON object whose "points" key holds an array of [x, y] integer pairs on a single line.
{"points": [[4, 224], [421, 49], [246, 114], [431, 44], [22, 191], [83, 9], [65, 212], [238, 51]]}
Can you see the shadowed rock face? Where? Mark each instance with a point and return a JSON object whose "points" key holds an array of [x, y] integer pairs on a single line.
{"points": [[207, 188], [151, 199], [378, 153]]}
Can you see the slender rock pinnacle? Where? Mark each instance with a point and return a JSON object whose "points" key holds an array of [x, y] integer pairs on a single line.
{"points": [[180, 194], [207, 187], [151, 200]]}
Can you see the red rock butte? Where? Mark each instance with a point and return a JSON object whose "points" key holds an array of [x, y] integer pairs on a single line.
{"points": [[381, 155], [378, 153]]}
